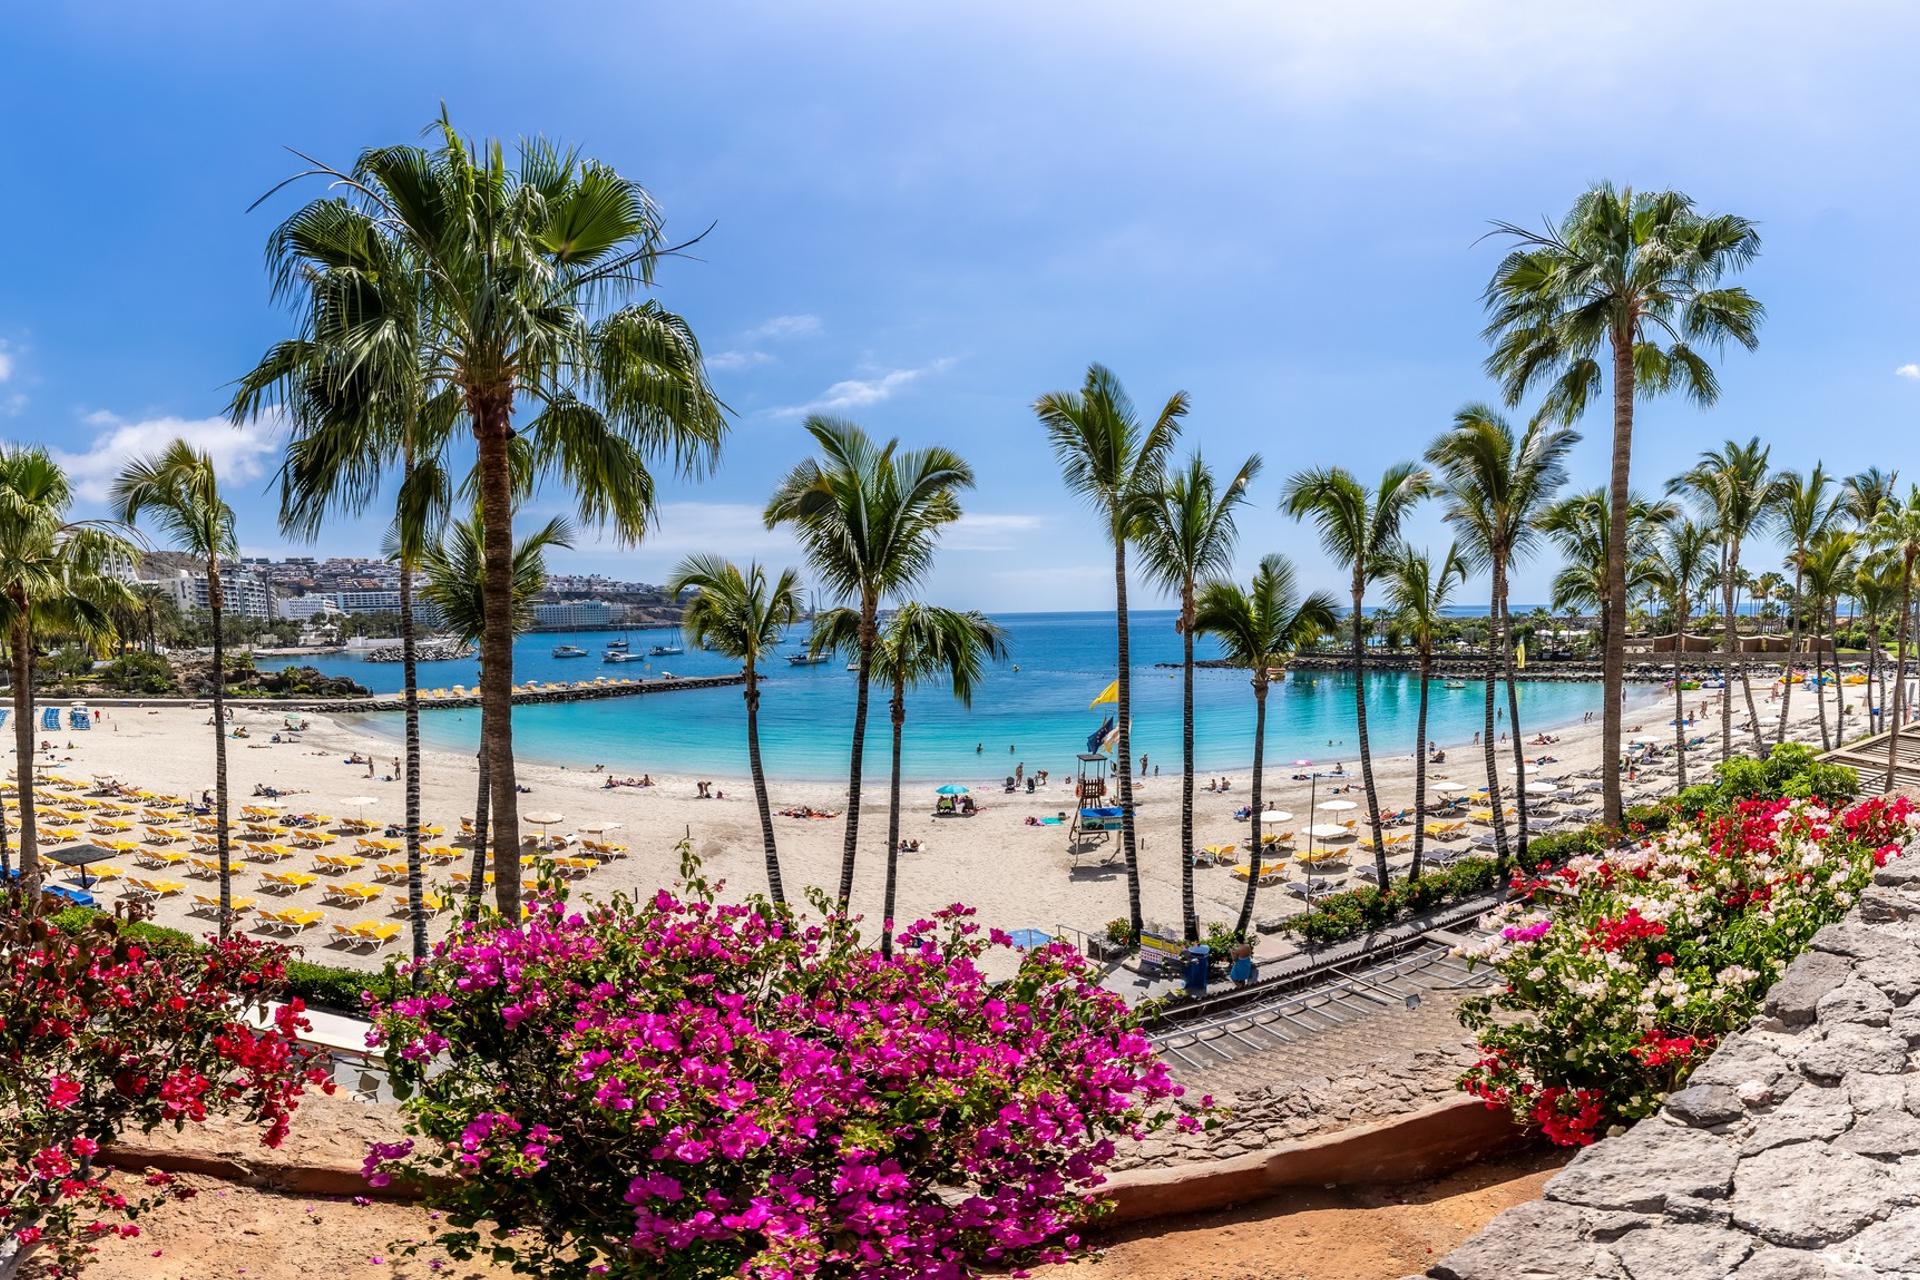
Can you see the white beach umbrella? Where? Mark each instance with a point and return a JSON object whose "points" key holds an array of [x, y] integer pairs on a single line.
{"points": [[1339, 806], [1275, 815], [598, 828], [360, 802], [1327, 831], [1449, 788], [545, 818], [1541, 786]]}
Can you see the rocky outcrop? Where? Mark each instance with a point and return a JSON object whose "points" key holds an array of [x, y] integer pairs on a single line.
{"points": [[1793, 1153]]}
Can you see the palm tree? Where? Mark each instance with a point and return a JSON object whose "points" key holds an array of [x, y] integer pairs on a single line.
{"points": [[1680, 566], [1770, 591], [454, 582], [177, 488], [1499, 485], [515, 267], [1875, 587], [1865, 492], [1639, 278], [1804, 509], [1112, 459], [1259, 628], [55, 578], [1188, 535], [739, 613], [1421, 595], [1359, 527], [1737, 499], [868, 516], [1578, 526], [1896, 530], [1829, 568], [918, 644]]}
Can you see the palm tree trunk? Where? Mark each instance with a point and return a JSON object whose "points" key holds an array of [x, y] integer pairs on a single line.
{"points": [[1189, 917], [1420, 764], [496, 651], [1619, 502], [23, 755], [1123, 711], [1679, 695], [410, 697], [1245, 921], [1820, 690], [216, 606], [477, 877], [1499, 819], [1513, 718], [893, 824], [1360, 724], [1727, 643], [1740, 659], [1793, 648], [1831, 624], [752, 694], [1899, 670], [868, 609]]}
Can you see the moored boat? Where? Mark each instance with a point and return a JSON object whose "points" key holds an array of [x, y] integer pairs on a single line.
{"points": [[568, 651]]}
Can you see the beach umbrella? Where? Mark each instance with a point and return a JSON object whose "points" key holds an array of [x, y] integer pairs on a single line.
{"points": [[1027, 938], [1327, 831], [545, 818], [360, 802], [1276, 815], [951, 789], [1541, 786], [1449, 788], [1339, 806], [595, 828]]}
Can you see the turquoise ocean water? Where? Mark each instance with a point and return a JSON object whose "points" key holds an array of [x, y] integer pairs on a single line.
{"points": [[1040, 710]]}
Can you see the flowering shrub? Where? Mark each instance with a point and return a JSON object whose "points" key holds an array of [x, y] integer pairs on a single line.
{"points": [[99, 1034], [673, 1087], [1623, 969]]}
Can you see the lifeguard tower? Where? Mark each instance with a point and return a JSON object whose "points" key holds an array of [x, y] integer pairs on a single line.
{"points": [[1094, 819]]}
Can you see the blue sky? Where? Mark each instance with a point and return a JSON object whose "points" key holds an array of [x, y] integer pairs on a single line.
{"points": [[926, 214]]}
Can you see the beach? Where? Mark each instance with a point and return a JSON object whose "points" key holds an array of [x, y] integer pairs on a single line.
{"points": [[1014, 874]]}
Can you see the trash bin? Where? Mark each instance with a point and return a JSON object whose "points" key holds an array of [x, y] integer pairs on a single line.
{"points": [[1197, 959]]}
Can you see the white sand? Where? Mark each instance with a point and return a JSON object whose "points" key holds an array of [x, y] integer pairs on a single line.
{"points": [[1017, 876]]}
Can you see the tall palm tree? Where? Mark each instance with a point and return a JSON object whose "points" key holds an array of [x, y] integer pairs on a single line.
{"points": [[454, 581], [1680, 565], [1499, 484], [1738, 499], [1770, 591], [868, 516], [1578, 525], [1420, 594], [55, 578], [1637, 278], [1876, 589], [1896, 531], [1115, 461], [919, 643], [1188, 535], [1865, 492], [742, 614], [520, 269], [1260, 627], [1804, 509], [178, 490], [1359, 527], [1829, 564]]}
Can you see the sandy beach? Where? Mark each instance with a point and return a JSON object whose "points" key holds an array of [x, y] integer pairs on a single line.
{"points": [[1016, 875]]}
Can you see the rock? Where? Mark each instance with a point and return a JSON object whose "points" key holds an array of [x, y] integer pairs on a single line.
{"points": [[1794, 997], [1886, 1135], [1694, 1209], [1876, 1093], [1642, 1167], [1906, 1023], [1681, 1251], [1799, 1264], [1854, 1000], [1539, 1240], [1898, 873], [1706, 1105], [1880, 904], [1742, 1060], [1890, 1247], [1807, 1195], [1814, 1114], [1850, 1047]]}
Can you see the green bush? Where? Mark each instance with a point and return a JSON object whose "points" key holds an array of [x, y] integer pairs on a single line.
{"points": [[1366, 909], [1791, 771]]}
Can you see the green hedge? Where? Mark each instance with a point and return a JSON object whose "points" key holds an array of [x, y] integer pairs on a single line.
{"points": [[1348, 915], [322, 986]]}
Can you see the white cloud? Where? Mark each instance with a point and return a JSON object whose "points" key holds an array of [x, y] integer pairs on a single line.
{"points": [[995, 531], [732, 529], [239, 453], [6, 363], [1908, 371], [780, 328], [859, 393], [738, 360]]}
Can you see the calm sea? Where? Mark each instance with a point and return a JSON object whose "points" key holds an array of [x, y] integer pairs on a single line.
{"points": [[1032, 708]]}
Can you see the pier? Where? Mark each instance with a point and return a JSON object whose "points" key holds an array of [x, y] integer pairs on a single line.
{"points": [[523, 695]]}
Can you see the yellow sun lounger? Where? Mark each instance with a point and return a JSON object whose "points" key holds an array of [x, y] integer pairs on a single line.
{"points": [[210, 902], [290, 919], [203, 868], [158, 888], [366, 933], [1269, 874], [159, 858], [440, 853], [346, 895], [337, 863], [433, 903], [161, 835], [390, 871], [287, 881]]}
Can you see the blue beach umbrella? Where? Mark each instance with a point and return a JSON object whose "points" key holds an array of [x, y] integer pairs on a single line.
{"points": [[1027, 939], [951, 789]]}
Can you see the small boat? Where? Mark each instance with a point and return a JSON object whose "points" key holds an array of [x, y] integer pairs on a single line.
{"points": [[620, 645], [1455, 684], [665, 650], [854, 665], [568, 651], [620, 655], [808, 659]]}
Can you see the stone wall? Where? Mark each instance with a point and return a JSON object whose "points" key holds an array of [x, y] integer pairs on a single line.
{"points": [[1792, 1154]]}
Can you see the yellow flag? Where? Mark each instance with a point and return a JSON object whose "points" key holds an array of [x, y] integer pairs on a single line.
{"points": [[1110, 694], [1520, 657]]}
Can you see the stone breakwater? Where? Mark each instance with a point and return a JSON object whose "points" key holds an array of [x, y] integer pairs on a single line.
{"points": [[1255, 1119], [432, 699], [1793, 1153]]}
